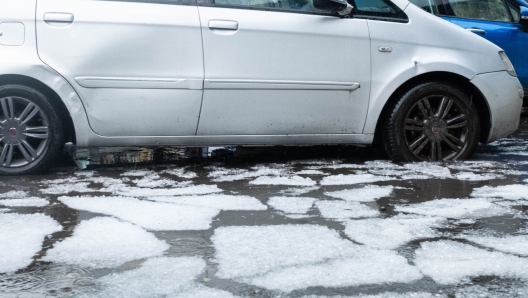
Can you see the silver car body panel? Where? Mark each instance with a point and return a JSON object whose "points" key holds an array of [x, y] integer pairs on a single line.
{"points": [[133, 64], [426, 44], [504, 100], [277, 73], [23, 60], [157, 100]]}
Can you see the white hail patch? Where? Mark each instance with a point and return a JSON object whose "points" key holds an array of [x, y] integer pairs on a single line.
{"points": [[222, 202], [27, 202], [105, 242], [311, 172], [160, 277], [368, 193], [283, 180], [228, 175], [296, 205], [353, 179], [470, 176], [66, 188], [429, 169], [512, 192], [456, 208], [21, 238], [345, 209], [180, 191], [290, 257], [150, 215], [182, 173], [510, 244], [390, 233], [14, 194], [449, 262]]}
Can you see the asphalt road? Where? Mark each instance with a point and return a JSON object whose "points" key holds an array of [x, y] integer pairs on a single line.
{"points": [[268, 222]]}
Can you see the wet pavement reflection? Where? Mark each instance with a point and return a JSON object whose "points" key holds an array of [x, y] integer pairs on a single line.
{"points": [[268, 222]]}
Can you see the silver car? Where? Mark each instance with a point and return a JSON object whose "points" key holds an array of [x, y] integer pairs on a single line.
{"points": [[246, 72]]}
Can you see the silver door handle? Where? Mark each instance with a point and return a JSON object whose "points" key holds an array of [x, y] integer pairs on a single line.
{"points": [[476, 30], [223, 25], [58, 17]]}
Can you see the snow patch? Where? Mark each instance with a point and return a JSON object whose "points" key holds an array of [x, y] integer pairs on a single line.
{"points": [[137, 173], [298, 205], [345, 209], [222, 202], [456, 208], [150, 215], [160, 277], [182, 173], [353, 179], [511, 244], [149, 192], [60, 189], [311, 172], [105, 242], [289, 257], [14, 194], [27, 202], [470, 176], [449, 262], [390, 233], [429, 169], [512, 192], [298, 191], [228, 175], [283, 180], [366, 194], [21, 238]]}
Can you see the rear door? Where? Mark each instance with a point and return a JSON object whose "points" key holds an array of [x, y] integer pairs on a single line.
{"points": [[278, 67], [137, 64]]}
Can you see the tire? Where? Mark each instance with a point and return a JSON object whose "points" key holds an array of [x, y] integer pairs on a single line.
{"points": [[31, 133], [432, 121]]}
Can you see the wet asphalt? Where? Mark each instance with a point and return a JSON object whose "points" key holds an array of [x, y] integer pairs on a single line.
{"points": [[60, 279]]}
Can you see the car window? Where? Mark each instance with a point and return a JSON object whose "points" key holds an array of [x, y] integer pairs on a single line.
{"points": [[513, 6], [378, 8], [290, 5], [427, 5], [491, 10]]}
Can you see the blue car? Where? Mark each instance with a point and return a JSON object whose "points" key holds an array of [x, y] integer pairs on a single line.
{"points": [[503, 22]]}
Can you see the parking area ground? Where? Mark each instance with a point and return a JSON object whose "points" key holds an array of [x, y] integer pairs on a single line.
{"points": [[269, 222]]}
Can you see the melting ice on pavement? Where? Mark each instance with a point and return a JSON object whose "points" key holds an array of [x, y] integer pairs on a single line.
{"points": [[104, 242], [449, 262], [21, 238], [160, 277], [150, 215], [297, 205], [368, 193], [456, 208], [392, 232], [289, 257]]}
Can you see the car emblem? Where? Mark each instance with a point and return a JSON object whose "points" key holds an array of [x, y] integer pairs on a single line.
{"points": [[13, 132]]}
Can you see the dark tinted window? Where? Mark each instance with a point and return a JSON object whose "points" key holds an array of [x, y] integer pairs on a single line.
{"points": [[177, 2], [427, 5], [513, 6], [378, 8], [287, 5], [491, 10]]}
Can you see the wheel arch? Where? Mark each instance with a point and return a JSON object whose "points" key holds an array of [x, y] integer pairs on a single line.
{"points": [[56, 101], [456, 80]]}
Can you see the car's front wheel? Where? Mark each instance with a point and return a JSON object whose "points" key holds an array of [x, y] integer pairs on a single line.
{"points": [[30, 131], [432, 121]]}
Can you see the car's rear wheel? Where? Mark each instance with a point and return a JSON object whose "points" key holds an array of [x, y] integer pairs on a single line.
{"points": [[30, 131], [432, 121]]}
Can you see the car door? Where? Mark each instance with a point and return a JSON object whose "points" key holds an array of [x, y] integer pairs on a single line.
{"points": [[278, 67], [137, 64], [497, 21]]}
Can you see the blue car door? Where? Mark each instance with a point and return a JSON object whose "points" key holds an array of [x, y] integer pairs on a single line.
{"points": [[495, 20]]}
